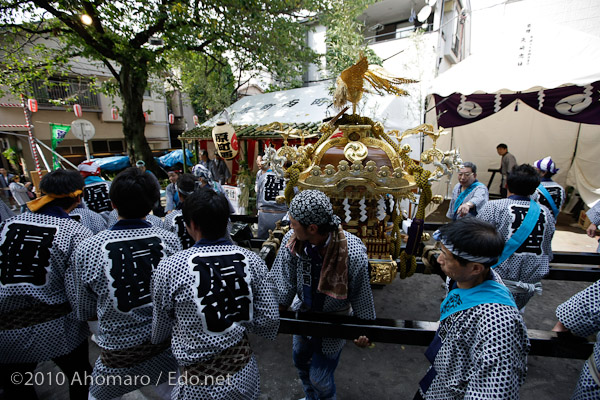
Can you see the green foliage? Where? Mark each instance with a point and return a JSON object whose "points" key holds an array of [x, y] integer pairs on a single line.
{"points": [[345, 35], [208, 81]]}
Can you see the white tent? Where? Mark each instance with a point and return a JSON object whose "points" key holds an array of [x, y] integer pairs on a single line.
{"points": [[313, 104], [537, 90]]}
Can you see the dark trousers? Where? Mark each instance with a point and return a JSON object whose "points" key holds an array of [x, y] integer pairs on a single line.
{"points": [[72, 364]]}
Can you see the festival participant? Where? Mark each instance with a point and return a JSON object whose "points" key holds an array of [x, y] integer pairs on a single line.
{"points": [[270, 186], [581, 316], [19, 192], [157, 209], [593, 215], [321, 268], [506, 165], [174, 221], [219, 170], [469, 195], [549, 193], [528, 228], [171, 191], [88, 218], [206, 299], [5, 180], [480, 348], [109, 279], [96, 192], [262, 168], [36, 320]]}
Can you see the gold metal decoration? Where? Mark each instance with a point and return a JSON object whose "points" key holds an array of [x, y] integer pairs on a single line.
{"points": [[383, 272], [366, 173], [349, 86]]}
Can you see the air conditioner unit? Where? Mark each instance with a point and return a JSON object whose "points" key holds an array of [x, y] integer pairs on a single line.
{"points": [[155, 41]]}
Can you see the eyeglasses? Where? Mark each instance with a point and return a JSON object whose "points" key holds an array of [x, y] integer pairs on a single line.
{"points": [[465, 174]]}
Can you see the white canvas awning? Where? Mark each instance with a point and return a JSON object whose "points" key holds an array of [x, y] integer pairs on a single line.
{"points": [[313, 104], [528, 57]]}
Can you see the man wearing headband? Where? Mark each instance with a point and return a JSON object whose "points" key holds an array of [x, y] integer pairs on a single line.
{"points": [[527, 228], [549, 193], [36, 320], [480, 348], [109, 280], [206, 300], [321, 268], [95, 193], [469, 195], [186, 184]]}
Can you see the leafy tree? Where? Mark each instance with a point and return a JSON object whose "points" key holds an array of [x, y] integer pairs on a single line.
{"points": [[345, 35], [41, 39], [208, 81]]}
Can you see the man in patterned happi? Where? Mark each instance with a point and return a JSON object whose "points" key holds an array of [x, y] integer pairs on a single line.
{"points": [[96, 192], [269, 187], [549, 193], [480, 348], [469, 195], [321, 268], [527, 228], [186, 184], [581, 315], [88, 218], [36, 320], [110, 276], [206, 299]]}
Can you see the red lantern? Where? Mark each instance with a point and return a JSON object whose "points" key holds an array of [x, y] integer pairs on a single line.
{"points": [[114, 113], [146, 116], [234, 142], [32, 104], [77, 110], [195, 120], [171, 119]]}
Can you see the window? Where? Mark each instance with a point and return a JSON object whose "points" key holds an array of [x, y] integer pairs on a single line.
{"points": [[107, 146], [66, 92]]}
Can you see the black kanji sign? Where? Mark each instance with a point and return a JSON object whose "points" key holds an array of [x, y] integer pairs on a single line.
{"points": [[96, 198], [184, 236], [533, 243], [25, 253], [556, 195], [223, 289], [273, 185], [131, 264]]}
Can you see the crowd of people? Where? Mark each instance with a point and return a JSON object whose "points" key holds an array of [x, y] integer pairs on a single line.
{"points": [[173, 299]]}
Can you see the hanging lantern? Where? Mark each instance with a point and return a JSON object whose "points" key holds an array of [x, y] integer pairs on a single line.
{"points": [[195, 118], [225, 140], [114, 113], [77, 110], [146, 117], [32, 104], [171, 119]]}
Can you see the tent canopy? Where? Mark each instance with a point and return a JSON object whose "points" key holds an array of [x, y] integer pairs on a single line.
{"points": [[312, 104], [538, 91]]}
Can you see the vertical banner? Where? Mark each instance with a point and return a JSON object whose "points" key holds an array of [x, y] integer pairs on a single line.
{"points": [[58, 134]]}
